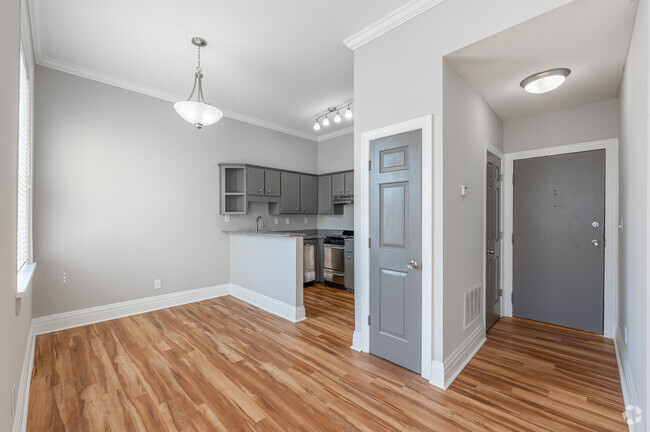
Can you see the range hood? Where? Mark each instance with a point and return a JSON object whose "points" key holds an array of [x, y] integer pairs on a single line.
{"points": [[343, 200]]}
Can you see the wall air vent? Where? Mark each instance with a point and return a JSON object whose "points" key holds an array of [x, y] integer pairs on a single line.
{"points": [[473, 306]]}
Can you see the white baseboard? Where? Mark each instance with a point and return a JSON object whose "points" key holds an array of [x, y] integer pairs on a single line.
{"points": [[97, 314], [22, 403], [276, 307], [636, 420], [444, 373], [357, 342]]}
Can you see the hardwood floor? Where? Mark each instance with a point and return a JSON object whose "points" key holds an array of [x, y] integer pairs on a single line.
{"points": [[223, 365]]}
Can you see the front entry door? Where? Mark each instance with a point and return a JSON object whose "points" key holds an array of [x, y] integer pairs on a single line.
{"points": [[396, 249], [493, 240], [559, 233]]}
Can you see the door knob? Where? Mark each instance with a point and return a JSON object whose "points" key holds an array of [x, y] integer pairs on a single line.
{"points": [[412, 264], [595, 243], [490, 251], [268, 191], [261, 189]]}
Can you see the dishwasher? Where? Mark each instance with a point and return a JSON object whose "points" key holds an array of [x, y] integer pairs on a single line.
{"points": [[309, 261]]}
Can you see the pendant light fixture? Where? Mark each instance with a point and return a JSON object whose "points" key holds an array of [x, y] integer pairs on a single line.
{"points": [[198, 113], [544, 82]]}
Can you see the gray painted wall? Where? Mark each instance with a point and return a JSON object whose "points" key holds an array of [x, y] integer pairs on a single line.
{"points": [[15, 316], [590, 122], [127, 192], [399, 77], [337, 154], [633, 207], [468, 122]]}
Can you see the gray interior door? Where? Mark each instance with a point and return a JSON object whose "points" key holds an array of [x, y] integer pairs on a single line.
{"points": [[492, 240], [396, 249], [559, 231]]}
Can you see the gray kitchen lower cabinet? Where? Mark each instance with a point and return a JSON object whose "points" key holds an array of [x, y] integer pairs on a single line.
{"points": [[255, 181], [308, 194], [290, 196], [338, 184], [272, 183], [349, 271], [325, 195]]}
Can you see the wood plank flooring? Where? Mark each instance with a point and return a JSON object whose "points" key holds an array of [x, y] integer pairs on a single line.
{"points": [[223, 365]]}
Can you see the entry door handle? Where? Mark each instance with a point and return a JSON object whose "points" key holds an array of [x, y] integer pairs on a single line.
{"points": [[595, 243], [412, 264]]}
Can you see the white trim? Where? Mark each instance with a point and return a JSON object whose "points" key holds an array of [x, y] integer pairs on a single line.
{"points": [[26, 37], [498, 153], [336, 134], [159, 94], [276, 307], [444, 373], [610, 315], [24, 279], [389, 22], [430, 200], [627, 380], [22, 403], [112, 311]]}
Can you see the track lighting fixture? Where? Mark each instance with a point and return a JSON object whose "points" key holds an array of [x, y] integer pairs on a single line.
{"points": [[336, 112]]}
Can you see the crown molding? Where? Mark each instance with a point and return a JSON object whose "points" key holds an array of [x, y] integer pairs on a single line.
{"points": [[335, 134], [389, 22], [159, 94]]}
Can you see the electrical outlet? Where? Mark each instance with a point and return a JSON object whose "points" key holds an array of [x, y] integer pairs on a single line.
{"points": [[157, 284], [306, 221], [277, 221], [227, 218], [625, 334], [13, 400], [286, 221]]}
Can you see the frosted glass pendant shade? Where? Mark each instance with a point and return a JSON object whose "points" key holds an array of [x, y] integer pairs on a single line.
{"points": [[197, 113]]}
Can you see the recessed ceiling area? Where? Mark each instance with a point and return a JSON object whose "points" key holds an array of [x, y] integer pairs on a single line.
{"points": [[590, 37], [281, 62]]}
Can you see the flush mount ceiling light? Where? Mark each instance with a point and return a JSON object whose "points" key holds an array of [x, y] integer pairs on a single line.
{"points": [[337, 117], [198, 113], [544, 82]]}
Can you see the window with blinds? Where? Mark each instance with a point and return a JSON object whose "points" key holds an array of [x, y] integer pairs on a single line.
{"points": [[24, 167]]}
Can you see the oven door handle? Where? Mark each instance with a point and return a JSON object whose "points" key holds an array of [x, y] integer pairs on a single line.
{"points": [[329, 246]]}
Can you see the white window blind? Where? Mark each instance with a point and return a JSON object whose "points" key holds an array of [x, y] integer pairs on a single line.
{"points": [[24, 167]]}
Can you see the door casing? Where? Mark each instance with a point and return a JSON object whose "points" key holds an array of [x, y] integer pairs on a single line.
{"points": [[610, 315], [431, 347]]}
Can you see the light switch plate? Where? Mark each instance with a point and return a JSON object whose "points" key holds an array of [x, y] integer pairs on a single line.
{"points": [[227, 218], [306, 221], [157, 284], [277, 221], [286, 221]]}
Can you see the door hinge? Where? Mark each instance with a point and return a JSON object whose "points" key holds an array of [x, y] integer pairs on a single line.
{"points": [[369, 165], [500, 177], [500, 292], [368, 319], [513, 238], [500, 235], [513, 178], [369, 242]]}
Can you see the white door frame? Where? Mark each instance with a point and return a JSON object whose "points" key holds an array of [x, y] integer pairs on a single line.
{"points": [[610, 313], [431, 222], [498, 153]]}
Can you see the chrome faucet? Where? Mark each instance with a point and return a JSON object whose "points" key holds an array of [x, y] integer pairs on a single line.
{"points": [[257, 224]]}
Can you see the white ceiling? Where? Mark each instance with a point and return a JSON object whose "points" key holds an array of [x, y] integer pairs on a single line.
{"points": [[276, 63], [590, 37]]}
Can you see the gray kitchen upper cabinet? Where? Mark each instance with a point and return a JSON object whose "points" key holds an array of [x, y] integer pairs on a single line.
{"points": [[255, 183], [290, 197], [308, 194], [272, 183], [338, 184], [349, 183], [325, 195]]}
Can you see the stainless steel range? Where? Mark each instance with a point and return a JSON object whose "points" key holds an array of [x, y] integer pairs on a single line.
{"points": [[334, 257]]}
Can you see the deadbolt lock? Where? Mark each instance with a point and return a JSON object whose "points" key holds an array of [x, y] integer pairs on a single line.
{"points": [[595, 224]]}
